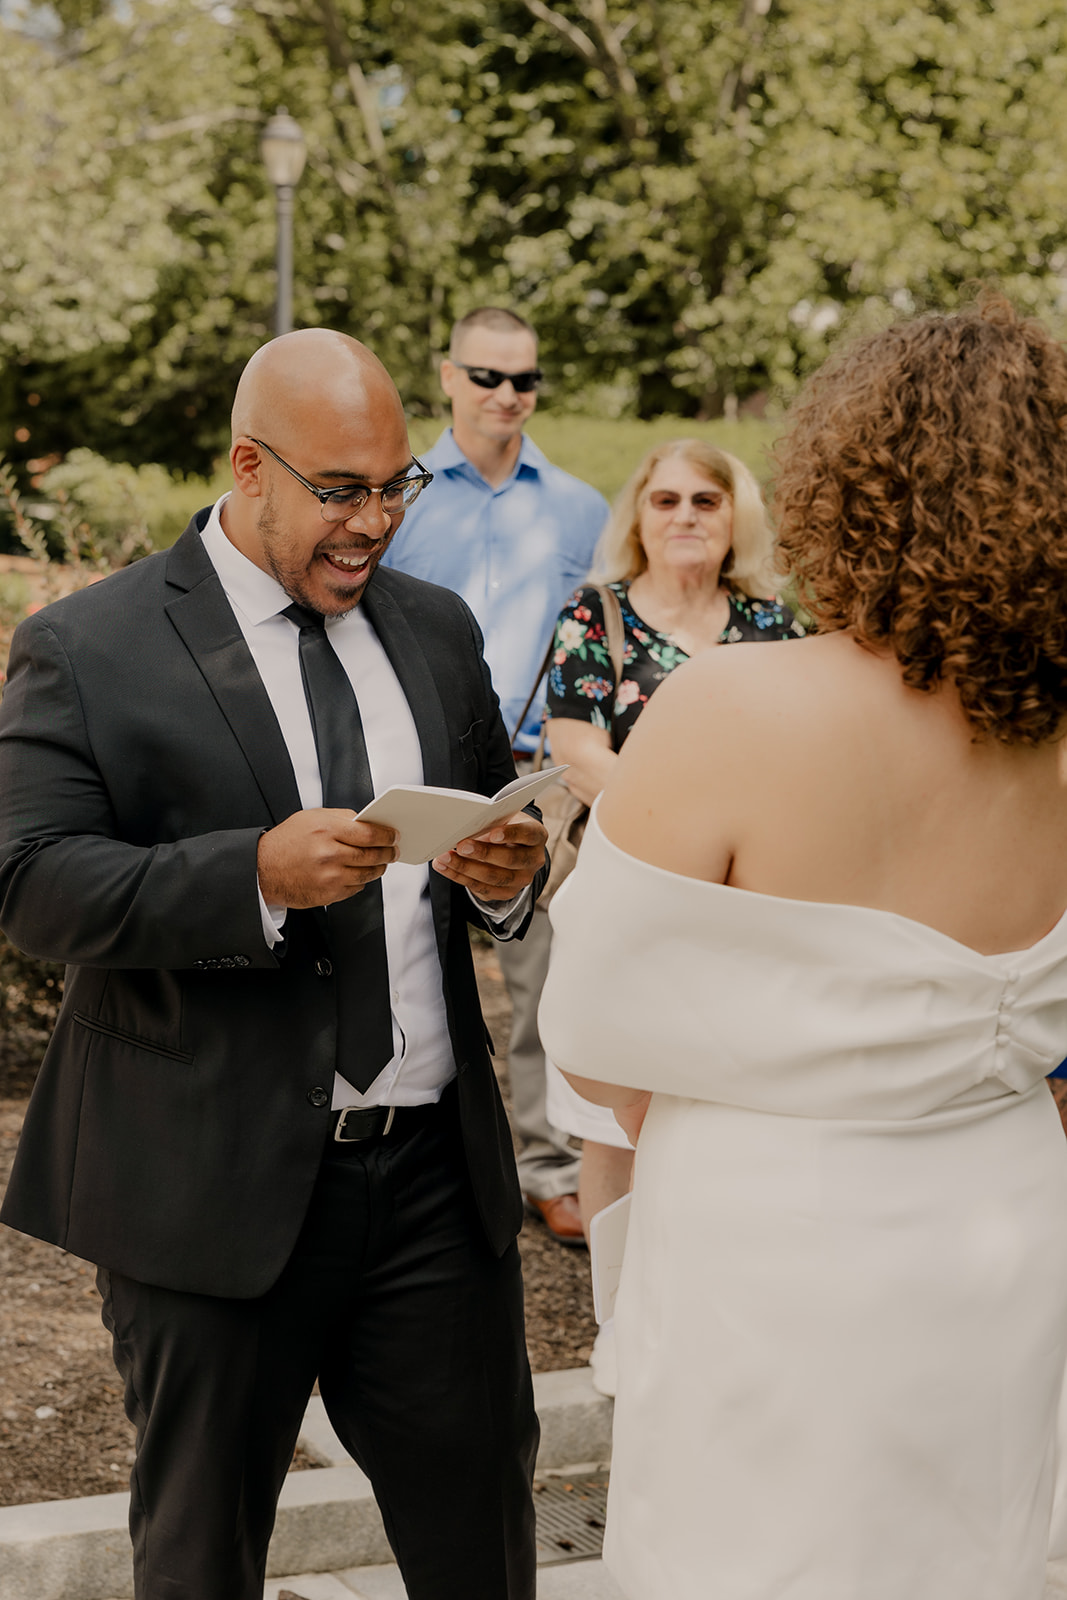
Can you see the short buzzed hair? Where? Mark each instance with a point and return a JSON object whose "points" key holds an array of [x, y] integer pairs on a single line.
{"points": [[494, 317]]}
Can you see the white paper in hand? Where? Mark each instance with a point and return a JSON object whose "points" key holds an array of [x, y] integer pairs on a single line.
{"points": [[607, 1246], [430, 821]]}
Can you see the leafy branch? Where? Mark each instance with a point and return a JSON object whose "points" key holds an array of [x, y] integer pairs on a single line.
{"points": [[601, 47], [28, 530]]}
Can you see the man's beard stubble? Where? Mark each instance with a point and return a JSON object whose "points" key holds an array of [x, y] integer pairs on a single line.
{"points": [[273, 545]]}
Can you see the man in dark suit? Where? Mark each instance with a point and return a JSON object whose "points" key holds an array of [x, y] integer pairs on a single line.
{"points": [[268, 1111]]}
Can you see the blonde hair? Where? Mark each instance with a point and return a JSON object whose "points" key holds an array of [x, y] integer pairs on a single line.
{"points": [[749, 566]]}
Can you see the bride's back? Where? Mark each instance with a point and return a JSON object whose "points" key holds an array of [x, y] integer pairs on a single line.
{"points": [[878, 795], [908, 757]]}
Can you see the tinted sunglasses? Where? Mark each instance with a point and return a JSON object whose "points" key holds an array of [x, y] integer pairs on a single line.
{"points": [[490, 378]]}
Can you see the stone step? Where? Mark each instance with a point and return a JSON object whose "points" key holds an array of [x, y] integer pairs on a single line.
{"points": [[584, 1580], [327, 1519]]}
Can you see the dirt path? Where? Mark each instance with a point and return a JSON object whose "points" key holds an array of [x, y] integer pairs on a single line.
{"points": [[62, 1428]]}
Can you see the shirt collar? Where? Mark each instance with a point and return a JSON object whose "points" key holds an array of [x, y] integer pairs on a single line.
{"points": [[257, 594], [446, 456]]}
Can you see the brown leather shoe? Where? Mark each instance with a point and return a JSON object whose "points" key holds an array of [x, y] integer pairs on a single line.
{"points": [[560, 1216]]}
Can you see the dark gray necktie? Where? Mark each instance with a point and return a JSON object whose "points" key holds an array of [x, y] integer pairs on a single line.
{"points": [[357, 925]]}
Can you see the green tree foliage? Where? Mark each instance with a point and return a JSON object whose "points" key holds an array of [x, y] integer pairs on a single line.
{"points": [[691, 201], [144, 128]]}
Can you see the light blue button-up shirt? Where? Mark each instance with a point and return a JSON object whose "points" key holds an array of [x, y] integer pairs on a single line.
{"points": [[515, 554]]}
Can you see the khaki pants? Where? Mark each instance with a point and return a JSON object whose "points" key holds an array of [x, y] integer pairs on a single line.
{"points": [[547, 1165]]}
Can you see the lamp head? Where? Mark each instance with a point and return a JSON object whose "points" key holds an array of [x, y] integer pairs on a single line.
{"points": [[283, 149]]}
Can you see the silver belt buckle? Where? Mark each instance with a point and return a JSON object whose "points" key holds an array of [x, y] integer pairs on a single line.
{"points": [[343, 1118]]}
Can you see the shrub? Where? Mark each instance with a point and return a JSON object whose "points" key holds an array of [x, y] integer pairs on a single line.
{"points": [[14, 598], [128, 509], [30, 992]]}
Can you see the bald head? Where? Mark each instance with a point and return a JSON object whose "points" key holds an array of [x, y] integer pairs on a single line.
{"points": [[314, 410], [314, 372]]}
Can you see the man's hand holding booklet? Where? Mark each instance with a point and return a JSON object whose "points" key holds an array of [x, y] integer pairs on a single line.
{"points": [[430, 821]]}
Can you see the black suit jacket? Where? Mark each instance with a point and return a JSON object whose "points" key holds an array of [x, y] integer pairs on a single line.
{"points": [[173, 1134]]}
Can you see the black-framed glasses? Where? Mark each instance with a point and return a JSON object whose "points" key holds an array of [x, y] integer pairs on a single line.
{"points": [[490, 378], [337, 505]]}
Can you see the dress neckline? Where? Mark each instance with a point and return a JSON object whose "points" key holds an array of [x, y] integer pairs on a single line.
{"points": [[668, 638], [898, 917]]}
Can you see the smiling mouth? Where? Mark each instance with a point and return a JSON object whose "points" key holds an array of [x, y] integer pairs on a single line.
{"points": [[354, 563]]}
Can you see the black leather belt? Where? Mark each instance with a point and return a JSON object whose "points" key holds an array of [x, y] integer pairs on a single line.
{"points": [[356, 1126]]}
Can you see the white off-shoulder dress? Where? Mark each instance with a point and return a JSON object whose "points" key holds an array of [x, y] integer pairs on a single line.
{"points": [[842, 1321]]}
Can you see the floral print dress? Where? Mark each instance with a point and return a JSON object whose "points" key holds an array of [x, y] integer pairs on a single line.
{"points": [[581, 682]]}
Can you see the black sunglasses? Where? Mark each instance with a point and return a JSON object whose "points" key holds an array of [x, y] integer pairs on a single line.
{"points": [[490, 378]]}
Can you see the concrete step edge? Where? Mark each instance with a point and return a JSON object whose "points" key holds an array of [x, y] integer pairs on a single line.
{"points": [[327, 1519], [575, 1423]]}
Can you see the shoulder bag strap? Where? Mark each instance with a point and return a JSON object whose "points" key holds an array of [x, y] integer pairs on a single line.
{"points": [[614, 632], [539, 753], [615, 636]]}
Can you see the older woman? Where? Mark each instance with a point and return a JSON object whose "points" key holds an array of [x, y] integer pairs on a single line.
{"points": [[687, 553], [819, 918]]}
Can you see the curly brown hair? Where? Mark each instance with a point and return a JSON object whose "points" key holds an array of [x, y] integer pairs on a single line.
{"points": [[921, 501]]}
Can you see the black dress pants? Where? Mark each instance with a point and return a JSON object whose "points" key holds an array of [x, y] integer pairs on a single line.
{"points": [[414, 1329]]}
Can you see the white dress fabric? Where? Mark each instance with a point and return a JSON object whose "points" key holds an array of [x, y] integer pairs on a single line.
{"points": [[569, 1113], [842, 1320]]}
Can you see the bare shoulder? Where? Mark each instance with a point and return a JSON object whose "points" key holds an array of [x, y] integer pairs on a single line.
{"points": [[685, 779], [750, 680]]}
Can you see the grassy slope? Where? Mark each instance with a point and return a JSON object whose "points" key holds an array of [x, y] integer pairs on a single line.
{"points": [[602, 451]]}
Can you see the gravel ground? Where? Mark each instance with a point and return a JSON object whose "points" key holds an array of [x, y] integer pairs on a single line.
{"points": [[62, 1427]]}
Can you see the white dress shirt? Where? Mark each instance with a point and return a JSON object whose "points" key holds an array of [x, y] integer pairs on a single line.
{"points": [[422, 1062]]}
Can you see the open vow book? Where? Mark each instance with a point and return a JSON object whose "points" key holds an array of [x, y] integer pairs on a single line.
{"points": [[430, 821]]}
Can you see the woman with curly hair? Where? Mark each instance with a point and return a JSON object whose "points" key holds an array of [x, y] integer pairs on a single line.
{"points": [[822, 900]]}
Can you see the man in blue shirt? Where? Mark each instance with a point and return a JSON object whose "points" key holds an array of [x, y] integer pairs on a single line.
{"points": [[514, 535]]}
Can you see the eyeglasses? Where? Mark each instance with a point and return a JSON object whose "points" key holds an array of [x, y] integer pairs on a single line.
{"points": [[490, 378], [337, 505], [705, 500]]}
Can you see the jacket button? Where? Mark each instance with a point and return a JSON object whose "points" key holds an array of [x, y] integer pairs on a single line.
{"points": [[323, 967], [318, 1096]]}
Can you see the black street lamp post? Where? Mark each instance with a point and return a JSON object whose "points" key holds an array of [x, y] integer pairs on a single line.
{"points": [[284, 153]]}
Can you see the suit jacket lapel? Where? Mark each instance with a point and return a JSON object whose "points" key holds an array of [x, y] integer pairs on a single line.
{"points": [[420, 690], [401, 645], [205, 621]]}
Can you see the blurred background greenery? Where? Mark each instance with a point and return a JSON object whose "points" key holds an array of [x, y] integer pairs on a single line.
{"points": [[692, 201]]}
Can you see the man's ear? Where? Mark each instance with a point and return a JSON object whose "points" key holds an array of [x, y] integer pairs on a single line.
{"points": [[450, 375], [247, 464]]}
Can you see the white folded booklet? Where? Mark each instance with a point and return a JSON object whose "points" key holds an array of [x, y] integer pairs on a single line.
{"points": [[430, 821], [607, 1246]]}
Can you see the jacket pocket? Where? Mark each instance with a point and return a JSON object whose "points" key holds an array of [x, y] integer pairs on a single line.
{"points": [[94, 1025], [467, 743]]}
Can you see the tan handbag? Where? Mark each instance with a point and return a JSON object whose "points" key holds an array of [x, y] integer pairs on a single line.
{"points": [[564, 815]]}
